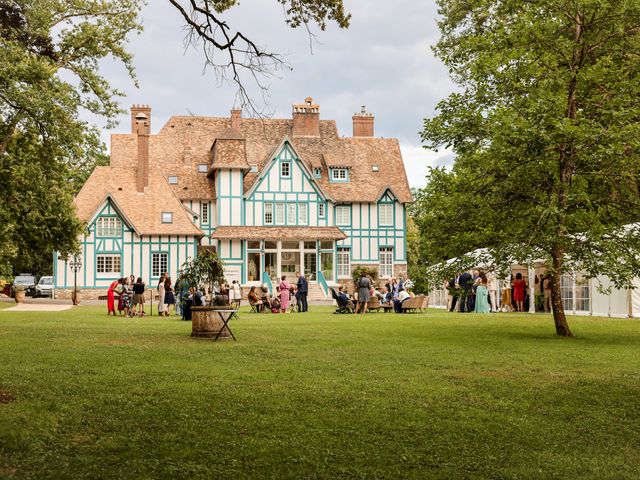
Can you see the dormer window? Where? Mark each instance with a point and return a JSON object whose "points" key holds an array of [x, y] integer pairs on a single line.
{"points": [[173, 180], [167, 217], [317, 172], [375, 168], [340, 174], [203, 168]]}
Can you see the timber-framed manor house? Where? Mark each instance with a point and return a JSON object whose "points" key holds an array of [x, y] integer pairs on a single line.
{"points": [[272, 196]]}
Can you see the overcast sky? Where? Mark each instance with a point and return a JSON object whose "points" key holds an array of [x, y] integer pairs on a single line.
{"points": [[383, 61]]}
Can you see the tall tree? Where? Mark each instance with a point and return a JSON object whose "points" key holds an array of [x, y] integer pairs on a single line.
{"points": [[49, 73], [546, 131]]}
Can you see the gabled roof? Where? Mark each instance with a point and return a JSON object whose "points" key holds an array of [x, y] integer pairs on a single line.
{"points": [[185, 141], [272, 158], [142, 211]]}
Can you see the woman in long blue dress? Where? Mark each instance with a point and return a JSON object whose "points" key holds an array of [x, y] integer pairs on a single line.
{"points": [[482, 300]]}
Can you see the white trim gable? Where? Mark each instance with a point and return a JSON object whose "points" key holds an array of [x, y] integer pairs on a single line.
{"points": [[296, 157], [117, 208]]}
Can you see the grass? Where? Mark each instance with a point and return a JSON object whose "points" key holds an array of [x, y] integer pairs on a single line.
{"points": [[317, 395]]}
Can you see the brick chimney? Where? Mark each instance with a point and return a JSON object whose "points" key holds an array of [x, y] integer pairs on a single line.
{"points": [[236, 118], [363, 123], [141, 126], [306, 119]]}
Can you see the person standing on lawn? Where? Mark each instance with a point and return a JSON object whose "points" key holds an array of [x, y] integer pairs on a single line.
{"points": [[482, 295], [161, 294], [284, 294], [303, 288], [138, 297], [364, 289], [111, 307]]}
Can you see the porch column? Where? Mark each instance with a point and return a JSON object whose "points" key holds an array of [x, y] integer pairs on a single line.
{"points": [[278, 261], [301, 249], [532, 289]]}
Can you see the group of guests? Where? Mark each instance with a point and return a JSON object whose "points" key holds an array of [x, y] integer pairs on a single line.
{"points": [[472, 291], [287, 296], [130, 299], [394, 294], [477, 291], [131, 296]]}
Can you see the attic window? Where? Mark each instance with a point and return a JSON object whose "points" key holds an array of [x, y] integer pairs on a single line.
{"points": [[167, 217], [254, 169], [203, 168], [173, 180], [317, 172], [375, 168], [339, 174]]}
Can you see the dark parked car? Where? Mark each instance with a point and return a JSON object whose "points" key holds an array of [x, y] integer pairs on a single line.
{"points": [[28, 281], [44, 288]]}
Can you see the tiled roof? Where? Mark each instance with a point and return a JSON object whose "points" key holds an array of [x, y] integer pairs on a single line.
{"points": [[142, 210], [229, 153], [185, 141], [276, 233]]}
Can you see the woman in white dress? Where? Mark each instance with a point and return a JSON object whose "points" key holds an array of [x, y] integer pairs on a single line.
{"points": [[161, 294]]}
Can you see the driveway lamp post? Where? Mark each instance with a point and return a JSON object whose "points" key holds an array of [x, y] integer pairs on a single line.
{"points": [[76, 265]]}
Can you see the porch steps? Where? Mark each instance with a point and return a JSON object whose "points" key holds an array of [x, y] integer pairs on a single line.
{"points": [[316, 296]]}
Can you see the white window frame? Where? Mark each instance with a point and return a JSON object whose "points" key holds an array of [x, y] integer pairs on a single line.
{"points": [[159, 263], [343, 268], [167, 217], [108, 227], [339, 174], [321, 211], [268, 214], [279, 214], [285, 169], [204, 212], [291, 213], [203, 168], [317, 172], [109, 263], [303, 214], [386, 262], [173, 179], [343, 215], [385, 214]]}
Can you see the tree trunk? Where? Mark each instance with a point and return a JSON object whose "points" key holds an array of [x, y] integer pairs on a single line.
{"points": [[559, 318]]}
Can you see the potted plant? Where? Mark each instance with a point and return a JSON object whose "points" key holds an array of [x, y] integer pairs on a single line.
{"points": [[19, 293], [206, 270]]}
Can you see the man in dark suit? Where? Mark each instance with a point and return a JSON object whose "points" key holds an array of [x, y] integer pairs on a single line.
{"points": [[454, 291], [301, 295], [466, 285]]}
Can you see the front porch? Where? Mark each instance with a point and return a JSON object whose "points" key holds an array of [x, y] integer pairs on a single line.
{"points": [[268, 253]]}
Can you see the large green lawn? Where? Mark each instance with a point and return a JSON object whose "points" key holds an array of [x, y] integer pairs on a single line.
{"points": [[317, 395]]}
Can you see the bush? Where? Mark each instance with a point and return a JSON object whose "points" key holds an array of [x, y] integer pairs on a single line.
{"points": [[371, 272]]}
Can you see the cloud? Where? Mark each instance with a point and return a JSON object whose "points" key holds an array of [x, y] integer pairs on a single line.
{"points": [[383, 61], [417, 160]]}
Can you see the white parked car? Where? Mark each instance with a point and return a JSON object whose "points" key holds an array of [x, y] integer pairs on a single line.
{"points": [[44, 288]]}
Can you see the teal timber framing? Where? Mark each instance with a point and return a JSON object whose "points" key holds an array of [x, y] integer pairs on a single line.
{"points": [[135, 252], [300, 187]]}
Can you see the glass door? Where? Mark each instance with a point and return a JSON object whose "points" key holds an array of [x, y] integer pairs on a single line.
{"points": [[310, 265], [326, 262], [271, 266]]}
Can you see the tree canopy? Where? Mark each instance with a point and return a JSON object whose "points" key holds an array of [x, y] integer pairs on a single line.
{"points": [[545, 128]]}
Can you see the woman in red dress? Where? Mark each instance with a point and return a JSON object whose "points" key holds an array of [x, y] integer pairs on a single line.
{"points": [[110, 297], [519, 286]]}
